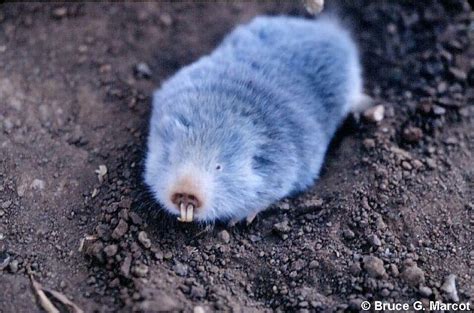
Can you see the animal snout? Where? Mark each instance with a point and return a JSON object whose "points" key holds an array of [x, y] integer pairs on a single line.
{"points": [[187, 199]]}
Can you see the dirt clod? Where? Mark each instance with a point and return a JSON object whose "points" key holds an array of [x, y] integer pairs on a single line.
{"points": [[413, 275], [224, 236], [374, 266], [120, 230]]}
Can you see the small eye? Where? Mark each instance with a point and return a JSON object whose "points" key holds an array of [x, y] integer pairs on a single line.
{"points": [[219, 167]]}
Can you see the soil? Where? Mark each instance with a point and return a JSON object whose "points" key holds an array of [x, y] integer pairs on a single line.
{"points": [[390, 219]]}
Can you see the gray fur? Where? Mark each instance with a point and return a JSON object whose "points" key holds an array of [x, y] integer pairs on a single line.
{"points": [[265, 105]]}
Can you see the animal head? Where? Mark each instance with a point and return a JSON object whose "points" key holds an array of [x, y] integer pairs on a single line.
{"points": [[202, 166]]}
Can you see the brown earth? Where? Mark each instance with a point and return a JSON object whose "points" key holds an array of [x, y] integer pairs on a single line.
{"points": [[391, 217]]}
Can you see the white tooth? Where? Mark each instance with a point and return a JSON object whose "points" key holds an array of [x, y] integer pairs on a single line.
{"points": [[182, 209], [190, 213]]}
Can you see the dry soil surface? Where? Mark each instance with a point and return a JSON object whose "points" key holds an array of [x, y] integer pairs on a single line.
{"points": [[390, 219]]}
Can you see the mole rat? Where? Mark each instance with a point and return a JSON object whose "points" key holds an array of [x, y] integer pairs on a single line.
{"points": [[250, 123]]}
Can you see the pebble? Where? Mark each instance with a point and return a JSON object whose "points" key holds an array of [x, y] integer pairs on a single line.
{"points": [[111, 250], [94, 250], [4, 260], [431, 163], [120, 230], [417, 164], [198, 292], [369, 143], [380, 224], [198, 309], [458, 73], [140, 270], [374, 240], [37, 184], [394, 270], [142, 70], [125, 267], [59, 12], [375, 114], [439, 110], [425, 291], [136, 219], [144, 240], [348, 234], [14, 266], [166, 19], [449, 288], [374, 266], [407, 166], [313, 264], [6, 204], [224, 236], [413, 275], [180, 269], [281, 227], [412, 134], [314, 6]]}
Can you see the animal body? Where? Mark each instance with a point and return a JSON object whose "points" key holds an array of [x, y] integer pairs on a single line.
{"points": [[250, 123]]}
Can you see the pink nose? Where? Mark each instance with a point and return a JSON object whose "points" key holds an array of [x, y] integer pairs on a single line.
{"points": [[186, 199]]}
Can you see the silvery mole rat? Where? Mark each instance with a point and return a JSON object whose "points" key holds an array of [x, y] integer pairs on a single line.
{"points": [[250, 123]]}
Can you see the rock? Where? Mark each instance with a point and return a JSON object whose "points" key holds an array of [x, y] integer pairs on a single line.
{"points": [[6, 204], [142, 70], [135, 218], [425, 291], [59, 12], [37, 184], [313, 264], [374, 266], [369, 143], [354, 268], [394, 270], [406, 165], [375, 114], [180, 269], [125, 267], [425, 106], [161, 302], [224, 236], [374, 240], [380, 224], [166, 19], [458, 73], [282, 227], [120, 230], [413, 275], [438, 110], [111, 250], [4, 260], [95, 250], [314, 6], [198, 292], [140, 270], [255, 238], [198, 309], [14, 266], [412, 134], [449, 288], [431, 163], [348, 234], [144, 240]]}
